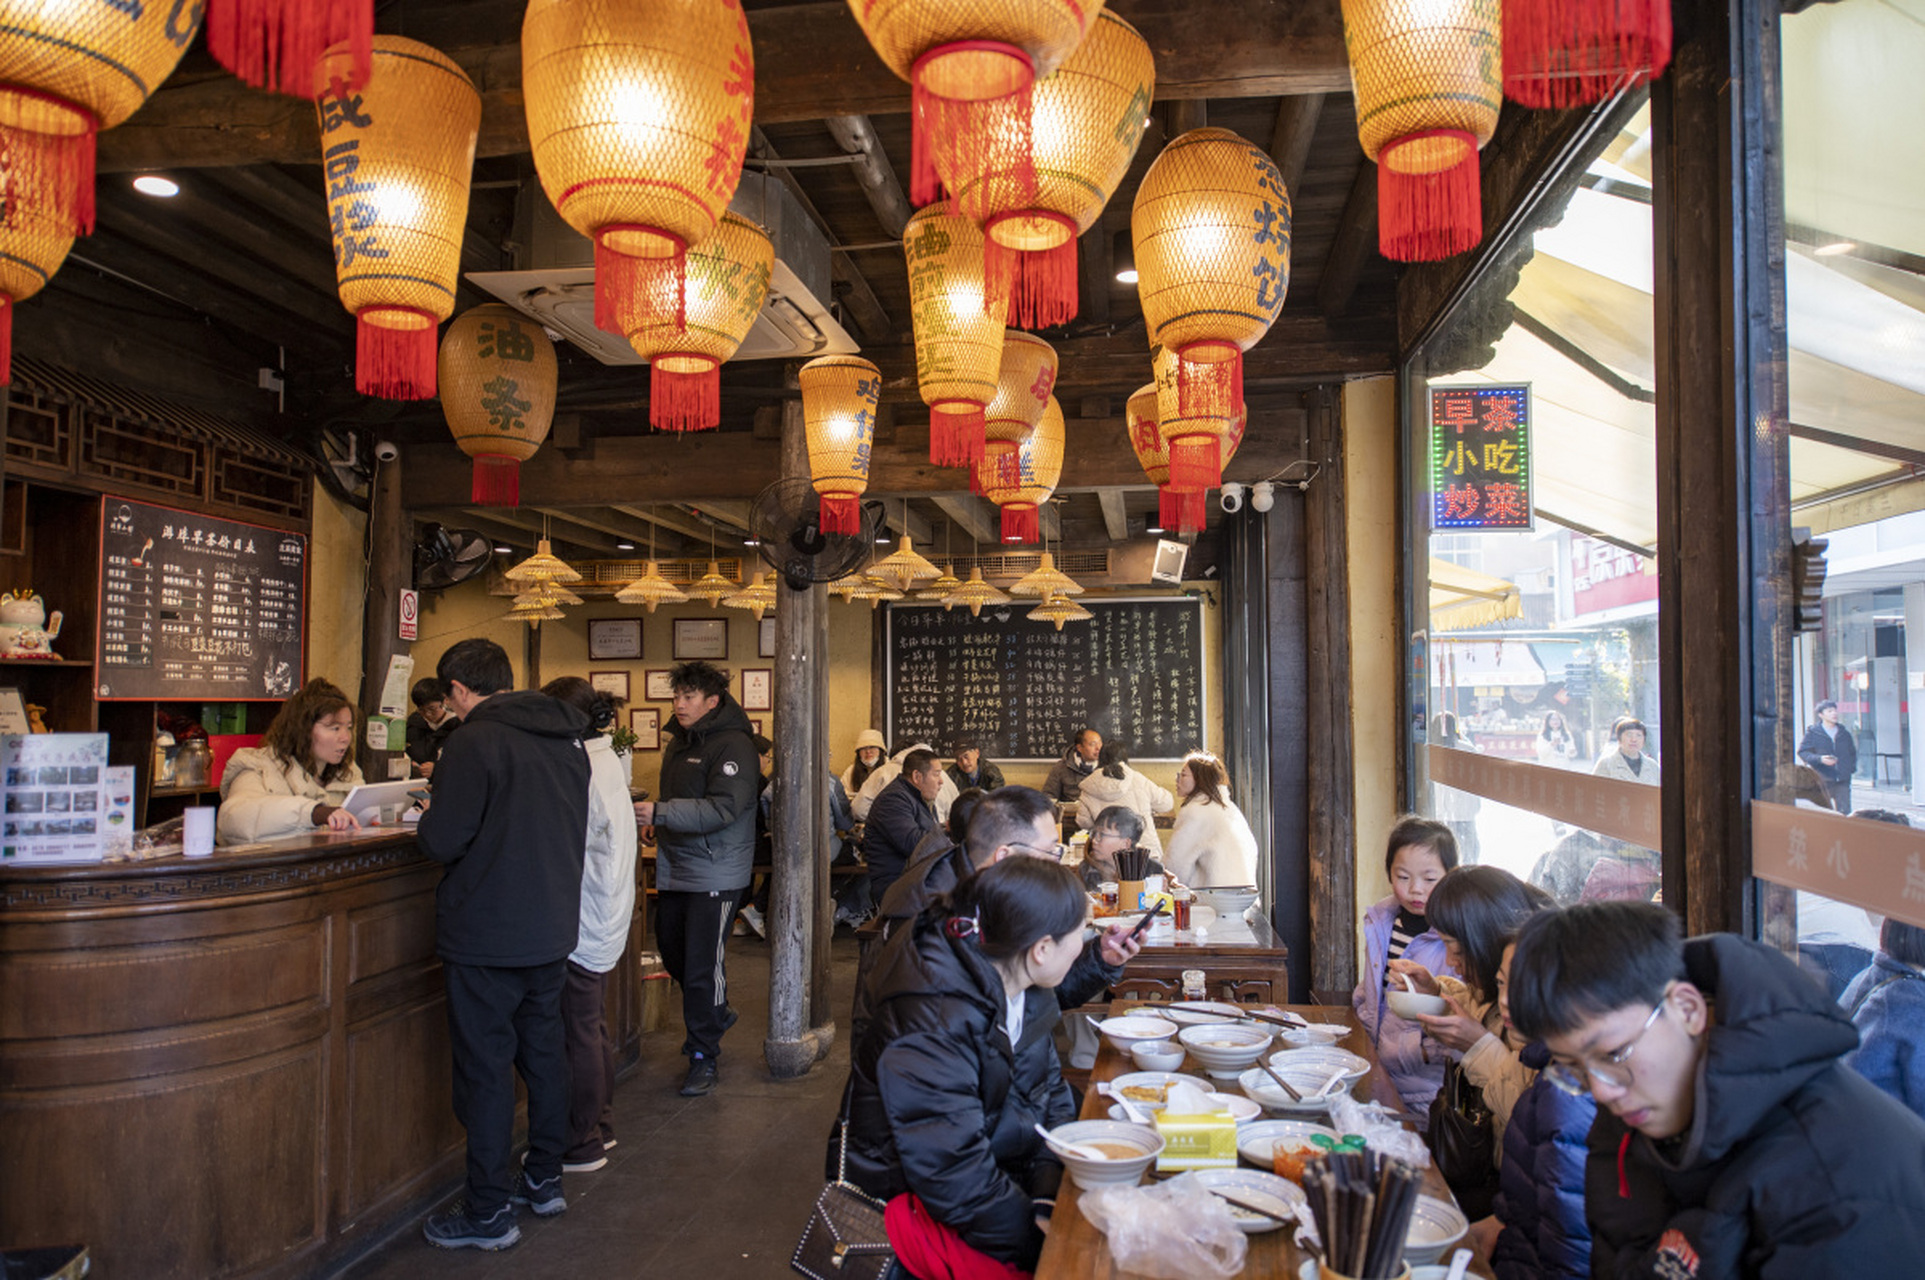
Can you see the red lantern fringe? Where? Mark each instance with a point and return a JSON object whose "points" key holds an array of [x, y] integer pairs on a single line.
{"points": [[1196, 462], [6, 341], [497, 481], [1038, 286], [1180, 511], [956, 439], [1022, 523], [1425, 217], [275, 44], [684, 401], [395, 364], [629, 290], [50, 172], [1565, 53], [1209, 388], [977, 139], [841, 513]]}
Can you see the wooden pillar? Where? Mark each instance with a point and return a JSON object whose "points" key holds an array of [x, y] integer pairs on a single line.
{"points": [[390, 568], [1724, 529], [821, 985]]}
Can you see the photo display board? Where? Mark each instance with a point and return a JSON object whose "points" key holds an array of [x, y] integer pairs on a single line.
{"points": [[197, 609], [1020, 689]]}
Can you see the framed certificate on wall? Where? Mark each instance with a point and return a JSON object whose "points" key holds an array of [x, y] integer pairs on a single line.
{"points": [[647, 725], [612, 683], [655, 685], [611, 638], [758, 689], [704, 638]]}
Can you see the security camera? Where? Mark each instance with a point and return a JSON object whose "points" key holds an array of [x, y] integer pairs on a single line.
{"points": [[1263, 496], [1232, 499], [386, 451]]}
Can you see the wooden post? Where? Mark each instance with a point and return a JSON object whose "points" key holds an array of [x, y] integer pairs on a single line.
{"points": [[821, 988], [390, 568]]}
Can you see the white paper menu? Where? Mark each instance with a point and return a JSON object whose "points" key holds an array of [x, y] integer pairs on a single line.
{"points": [[50, 797]]}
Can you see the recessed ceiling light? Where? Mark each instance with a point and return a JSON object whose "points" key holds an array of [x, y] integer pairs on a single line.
{"points": [[1835, 247], [1152, 527], [504, 550], [624, 546], [152, 184], [751, 542]]}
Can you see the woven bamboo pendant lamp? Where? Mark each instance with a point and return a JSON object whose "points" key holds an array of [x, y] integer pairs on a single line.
{"points": [[758, 597], [971, 66], [974, 594], [1046, 580], [638, 116], [651, 590], [1565, 53], [534, 612], [875, 591], [942, 588], [713, 585], [1059, 610], [67, 71], [1039, 466], [397, 158], [959, 336], [543, 566], [33, 244], [728, 281], [845, 586], [274, 44], [1211, 234], [1085, 124], [839, 399], [496, 375], [1426, 76], [552, 594], [1024, 380]]}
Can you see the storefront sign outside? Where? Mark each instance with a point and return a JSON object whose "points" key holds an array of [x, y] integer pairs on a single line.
{"points": [[1480, 457], [1879, 866], [1605, 577]]}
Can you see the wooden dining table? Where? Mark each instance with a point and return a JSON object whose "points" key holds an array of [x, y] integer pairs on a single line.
{"points": [[1076, 1250]]}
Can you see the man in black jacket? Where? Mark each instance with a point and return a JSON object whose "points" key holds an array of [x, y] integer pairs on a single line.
{"points": [[703, 829], [509, 819], [901, 816], [969, 769], [1730, 1141], [1832, 752]]}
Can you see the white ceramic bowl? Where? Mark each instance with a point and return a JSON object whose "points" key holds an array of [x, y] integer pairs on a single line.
{"points": [[1257, 1142], [1260, 1087], [1155, 1080], [1409, 1005], [1157, 1055], [1314, 1035], [1130, 1028], [1265, 1190], [1435, 1226], [1322, 1060], [1123, 1172], [1225, 1049], [1227, 902]]}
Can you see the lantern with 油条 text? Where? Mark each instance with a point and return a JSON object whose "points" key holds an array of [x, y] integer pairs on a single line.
{"points": [[638, 116], [67, 71], [33, 244], [1085, 123], [1211, 235], [1565, 53], [959, 340], [728, 280], [972, 66], [839, 399], [1039, 466], [274, 44], [1024, 381], [497, 386], [1426, 77], [397, 157]]}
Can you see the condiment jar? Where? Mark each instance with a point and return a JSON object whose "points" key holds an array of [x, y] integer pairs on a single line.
{"points": [[192, 763]]}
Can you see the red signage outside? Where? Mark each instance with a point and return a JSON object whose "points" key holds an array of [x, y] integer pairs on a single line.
{"points": [[1608, 577]]}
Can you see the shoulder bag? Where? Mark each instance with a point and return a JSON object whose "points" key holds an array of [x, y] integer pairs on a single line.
{"points": [[845, 1238], [1462, 1141]]}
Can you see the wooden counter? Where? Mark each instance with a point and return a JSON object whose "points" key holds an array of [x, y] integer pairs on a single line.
{"points": [[229, 1066]]}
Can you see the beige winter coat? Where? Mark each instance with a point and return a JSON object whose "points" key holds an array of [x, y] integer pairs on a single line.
{"points": [[264, 797]]}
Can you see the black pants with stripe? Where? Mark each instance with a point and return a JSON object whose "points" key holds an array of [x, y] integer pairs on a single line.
{"points": [[692, 929]]}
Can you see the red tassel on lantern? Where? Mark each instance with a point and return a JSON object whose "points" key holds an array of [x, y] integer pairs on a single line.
{"points": [[395, 364], [626, 286], [274, 44], [1196, 462], [956, 434], [53, 172], [976, 136], [1565, 53], [684, 400], [1022, 523], [497, 481], [6, 341], [1037, 285], [1429, 199], [1209, 380], [841, 513]]}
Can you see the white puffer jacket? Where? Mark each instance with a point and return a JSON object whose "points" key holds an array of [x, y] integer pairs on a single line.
{"points": [[1211, 845], [1133, 791], [264, 797], [608, 870]]}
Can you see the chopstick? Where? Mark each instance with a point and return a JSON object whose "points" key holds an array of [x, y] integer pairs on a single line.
{"points": [[1287, 1086], [1249, 1015], [1362, 1205]]}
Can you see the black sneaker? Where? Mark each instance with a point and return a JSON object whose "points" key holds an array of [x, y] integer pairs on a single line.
{"points": [[587, 1165], [455, 1229], [701, 1078], [545, 1198]]}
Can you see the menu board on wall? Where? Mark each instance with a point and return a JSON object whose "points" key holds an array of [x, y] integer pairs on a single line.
{"points": [[1020, 689], [197, 609]]}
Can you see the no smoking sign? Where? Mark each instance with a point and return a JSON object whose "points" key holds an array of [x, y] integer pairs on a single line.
{"points": [[410, 614]]}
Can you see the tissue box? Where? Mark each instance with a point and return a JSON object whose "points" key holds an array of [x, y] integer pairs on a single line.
{"points": [[1201, 1140]]}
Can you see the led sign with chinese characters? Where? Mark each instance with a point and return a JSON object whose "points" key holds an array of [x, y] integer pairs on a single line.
{"points": [[1480, 457]]}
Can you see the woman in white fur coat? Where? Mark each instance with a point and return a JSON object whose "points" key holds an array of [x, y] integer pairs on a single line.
{"points": [[1212, 843]]}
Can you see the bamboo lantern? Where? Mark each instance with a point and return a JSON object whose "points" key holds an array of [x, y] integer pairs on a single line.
{"points": [[68, 71], [1039, 463], [959, 332], [1024, 381], [543, 566], [1085, 123], [757, 598], [497, 386], [1177, 428], [1176, 510], [839, 398], [974, 594], [712, 586], [1211, 234], [1058, 610], [638, 116], [274, 44], [1427, 83], [1046, 580], [971, 67], [728, 281], [33, 244], [942, 588], [534, 612], [1565, 53], [397, 158], [651, 589]]}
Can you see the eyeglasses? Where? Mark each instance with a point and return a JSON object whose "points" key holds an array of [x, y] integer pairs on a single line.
{"points": [[1614, 1071], [1056, 852]]}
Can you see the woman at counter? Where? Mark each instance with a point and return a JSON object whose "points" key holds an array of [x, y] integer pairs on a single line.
{"points": [[295, 781], [1211, 844], [1114, 783]]}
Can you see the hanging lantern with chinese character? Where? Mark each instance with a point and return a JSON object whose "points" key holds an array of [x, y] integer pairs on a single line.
{"points": [[397, 157], [971, 67], [1426, 77], [497, 385], [959, 339], [1085, 121], [68, 71], [1565, 53], [728, 280], [1179, 430], [1211, 235], [1039, 466], [1176, 510], [1024, 382], [274, 44], [638, 116], [839, 398], [33, 244]]}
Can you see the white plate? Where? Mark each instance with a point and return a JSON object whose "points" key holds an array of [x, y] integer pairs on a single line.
{"points": [[1320, 1061], [1256, 1142], [1279, 1195], [1150, 1079], [1314, 1036], [1191, 1017]]}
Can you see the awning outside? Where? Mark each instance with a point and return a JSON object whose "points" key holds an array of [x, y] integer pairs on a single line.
{"points": [[1463, 599], [1486, 663]]}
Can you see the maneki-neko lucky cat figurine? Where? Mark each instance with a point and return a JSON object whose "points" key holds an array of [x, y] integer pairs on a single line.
{"points": [[24, 632]]}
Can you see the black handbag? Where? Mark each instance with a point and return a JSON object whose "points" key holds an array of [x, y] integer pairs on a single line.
{"points": [[1463, 1142], [845, 1238]]}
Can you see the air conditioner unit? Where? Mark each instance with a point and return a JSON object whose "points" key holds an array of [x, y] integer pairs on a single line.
{"points": [[554, 284]]}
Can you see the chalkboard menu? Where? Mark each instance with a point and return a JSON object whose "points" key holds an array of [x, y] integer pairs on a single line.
{"points": [[195, 608], [1018, 688]]}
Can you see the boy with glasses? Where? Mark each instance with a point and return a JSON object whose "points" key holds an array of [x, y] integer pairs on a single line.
{"points": [[1730, 1140]]}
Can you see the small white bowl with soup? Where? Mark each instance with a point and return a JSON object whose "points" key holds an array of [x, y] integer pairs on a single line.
{"points": [[1131, 1149]]}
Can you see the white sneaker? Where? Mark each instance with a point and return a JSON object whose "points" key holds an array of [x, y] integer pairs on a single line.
{"points": [[754, 918]]}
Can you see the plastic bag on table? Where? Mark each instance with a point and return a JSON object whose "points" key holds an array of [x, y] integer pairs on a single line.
{"points": [[162, 840], [1382, 1130], [1172, 1230]]}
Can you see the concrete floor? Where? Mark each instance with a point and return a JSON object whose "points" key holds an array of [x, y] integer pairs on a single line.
{"points": [[717, 1187]]}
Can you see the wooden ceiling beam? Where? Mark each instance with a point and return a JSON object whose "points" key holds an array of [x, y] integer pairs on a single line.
{"points": [[666, 517], [973, 515], [230, 307], [1116, 516], [1290, 139], [614, 524], [1356, 242]]}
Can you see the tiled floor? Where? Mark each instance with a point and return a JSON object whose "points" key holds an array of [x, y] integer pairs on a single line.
{"points": [[716, 1187]]}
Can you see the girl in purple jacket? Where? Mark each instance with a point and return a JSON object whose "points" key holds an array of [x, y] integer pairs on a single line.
{"points": [[1422, 851]]}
